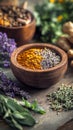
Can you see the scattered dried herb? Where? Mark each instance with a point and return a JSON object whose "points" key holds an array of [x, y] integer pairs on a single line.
{"points": [[38, 58], [62, 99], [15, 114]]}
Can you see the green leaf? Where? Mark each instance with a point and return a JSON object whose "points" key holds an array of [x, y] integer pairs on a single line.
{"points": [[37, 108], [15, 114], [14, 106], [7, 114], [28, 119], [18, 115], [16, 124], [24, 118], [34, 106]]}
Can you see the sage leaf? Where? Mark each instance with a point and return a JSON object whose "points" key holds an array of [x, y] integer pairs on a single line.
{"points": [[14, 106], [28, 119], [16, 124], [15, 114]]}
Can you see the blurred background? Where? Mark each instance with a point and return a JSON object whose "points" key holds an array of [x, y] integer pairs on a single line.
{"points": [[31, 3], [50, 16]]}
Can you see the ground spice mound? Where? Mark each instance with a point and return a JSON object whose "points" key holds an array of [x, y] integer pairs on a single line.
{"points": [[38, 58]]}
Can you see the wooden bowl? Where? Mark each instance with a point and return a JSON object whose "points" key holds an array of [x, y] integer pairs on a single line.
{"points": [[23, 34], [39, 78]]}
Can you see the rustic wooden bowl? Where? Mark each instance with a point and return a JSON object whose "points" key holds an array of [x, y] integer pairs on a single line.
{"points": [[39, 78], [23, 34]]}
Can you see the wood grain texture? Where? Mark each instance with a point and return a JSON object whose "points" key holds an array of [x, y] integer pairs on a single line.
{"points": [[67, 126], [39, 78]]}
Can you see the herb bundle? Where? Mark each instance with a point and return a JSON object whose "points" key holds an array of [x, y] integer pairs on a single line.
{"points": [[62, 99], [15, 114], [11, 88]]}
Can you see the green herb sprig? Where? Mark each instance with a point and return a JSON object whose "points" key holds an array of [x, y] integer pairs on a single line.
{"points": [[34, 106], [15, 114], [62, 99]]}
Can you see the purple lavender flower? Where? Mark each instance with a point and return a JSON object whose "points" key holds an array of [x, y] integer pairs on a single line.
{"points": [[16, 90], [10, 94], [11, 88], [23, 93], [0, 37], [4, 37], [6, 63], [11, 41], [12, 48], [7, 46], [3, 77]]}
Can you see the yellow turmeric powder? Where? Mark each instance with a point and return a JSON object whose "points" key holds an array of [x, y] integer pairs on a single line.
{"points": [[30, 58]]}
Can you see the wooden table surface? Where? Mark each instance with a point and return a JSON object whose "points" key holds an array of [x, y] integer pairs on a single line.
{"points": [[67, 126], [51, 120]]}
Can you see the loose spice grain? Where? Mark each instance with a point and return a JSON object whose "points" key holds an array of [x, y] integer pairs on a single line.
{"points": [[29, 59]]}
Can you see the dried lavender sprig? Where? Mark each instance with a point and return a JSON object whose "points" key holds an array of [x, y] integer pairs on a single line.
{"points": [[11, 88], [7, 46]]}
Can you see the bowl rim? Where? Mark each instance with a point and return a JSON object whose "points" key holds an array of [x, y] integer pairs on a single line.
{"points": [[25, 26], [62, 53]]}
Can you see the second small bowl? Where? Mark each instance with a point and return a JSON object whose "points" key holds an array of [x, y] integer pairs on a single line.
{"points": [[22, 34], [39, 78]]}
